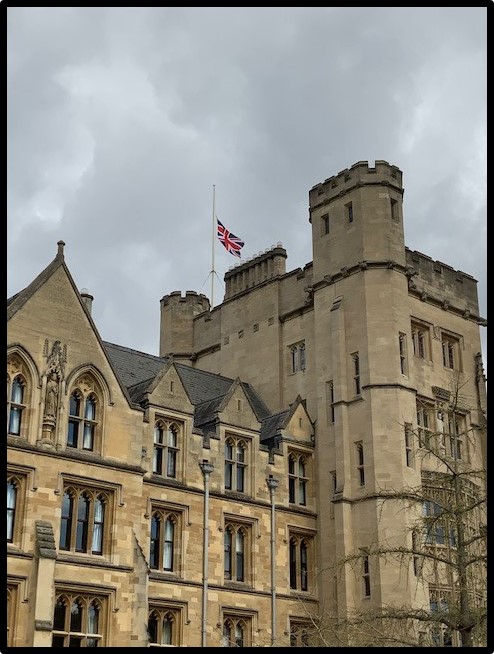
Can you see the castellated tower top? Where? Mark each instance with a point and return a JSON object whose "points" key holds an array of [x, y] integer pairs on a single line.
{"points": [[360, 174]]}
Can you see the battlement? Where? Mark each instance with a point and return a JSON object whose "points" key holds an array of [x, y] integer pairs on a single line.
{"points": [[436, 278], [266, 265], [360, 174], [198, 300]]}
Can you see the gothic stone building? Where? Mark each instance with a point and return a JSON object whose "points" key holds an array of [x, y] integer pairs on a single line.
{"points": [[205, 496]]}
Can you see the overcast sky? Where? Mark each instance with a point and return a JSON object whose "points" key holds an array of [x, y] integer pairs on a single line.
{"points": [[121, 120]]}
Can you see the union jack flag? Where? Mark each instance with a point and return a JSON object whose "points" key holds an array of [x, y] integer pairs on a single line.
{"points": [[231, 242]]}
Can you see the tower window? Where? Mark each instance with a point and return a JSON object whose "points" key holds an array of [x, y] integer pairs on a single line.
{"points": [[349, 212], [324, 224], [394, 209]]}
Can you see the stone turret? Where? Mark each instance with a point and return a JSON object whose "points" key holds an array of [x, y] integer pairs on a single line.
{"points": [[356, 217], [177, 321], [262, 268]]}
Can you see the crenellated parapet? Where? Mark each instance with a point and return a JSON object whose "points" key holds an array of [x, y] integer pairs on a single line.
{"points": [[436, 279], [261, 268], [198, 302], [360, 174], [177, 316]]}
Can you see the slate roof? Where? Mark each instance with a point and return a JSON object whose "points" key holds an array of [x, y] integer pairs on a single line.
{"points": [[206, 390], [136, 371], [132, 366], [271, 425]]}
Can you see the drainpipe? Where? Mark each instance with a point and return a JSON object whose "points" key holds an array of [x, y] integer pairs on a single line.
{"points": [[207, 468], [272, 485]]}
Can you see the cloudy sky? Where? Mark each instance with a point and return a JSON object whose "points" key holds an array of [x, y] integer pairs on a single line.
{"points": [[121, 121]]}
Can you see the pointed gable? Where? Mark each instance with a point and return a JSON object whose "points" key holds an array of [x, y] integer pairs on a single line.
{"points": [[297, 425], [53, 302], [167, 390], [236, 409]]}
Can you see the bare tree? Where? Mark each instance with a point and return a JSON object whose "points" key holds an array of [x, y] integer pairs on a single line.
{"points": [[445, 549]]}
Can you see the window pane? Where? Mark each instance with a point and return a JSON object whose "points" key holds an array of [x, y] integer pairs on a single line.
{"points": [[15, 421], [167, 632], [92, 622], [157, 460], [228, 475], [240, 478], [75, 617], [59, 616], [66, 523], [82, 518], [11, 499], [73, 432], [90, 409], [153, 629], [17, 391], [75, 405], [172, 437], [87, 442], [171, 463]]}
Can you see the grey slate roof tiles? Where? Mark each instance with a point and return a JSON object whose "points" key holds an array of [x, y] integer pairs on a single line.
{"points": [[206, 390]]}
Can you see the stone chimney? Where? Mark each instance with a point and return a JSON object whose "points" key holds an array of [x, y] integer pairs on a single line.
{"points": [[87, 299]]}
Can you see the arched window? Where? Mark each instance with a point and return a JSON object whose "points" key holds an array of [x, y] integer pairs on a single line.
{"points": [[166, 449], [235, 464], [236, 540], [82, 527], [299, 550], [236, 631], [77, 621], [297, 478], [164, 626], [83, 420], [16, 405], [164, 544]]}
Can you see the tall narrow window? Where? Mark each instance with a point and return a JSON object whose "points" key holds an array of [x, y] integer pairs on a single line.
{"points": [[16, 406], [455, 427], [297, 357], [166, 449], [164, 539], [366, 576], [334, 481], [402, 342], [330, 400], [360, 463], [408, 445], [394, 209], [82, 421], [235, 464], [425, 425], [451, 352], [420, 340], [349, 212], [11, 504], [299, 550], [324, 224], [356, 373], [297, 478], [236, 542]]}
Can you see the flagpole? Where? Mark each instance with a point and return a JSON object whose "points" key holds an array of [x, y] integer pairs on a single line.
{"points": [[212, 253]]}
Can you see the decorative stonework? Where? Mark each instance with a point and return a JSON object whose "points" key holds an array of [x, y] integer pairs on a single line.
{"points": [[54, 376]]}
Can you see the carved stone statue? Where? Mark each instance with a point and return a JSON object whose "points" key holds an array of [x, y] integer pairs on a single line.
{"points": [[51, 401]]}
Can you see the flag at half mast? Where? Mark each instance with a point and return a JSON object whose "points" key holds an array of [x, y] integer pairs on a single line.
{"points": [[231, 242]]}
